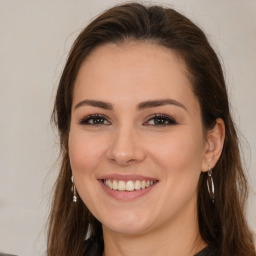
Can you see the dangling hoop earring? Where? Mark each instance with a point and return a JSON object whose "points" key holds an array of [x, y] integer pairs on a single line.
{"points": [[210, 184], [73, 189]]}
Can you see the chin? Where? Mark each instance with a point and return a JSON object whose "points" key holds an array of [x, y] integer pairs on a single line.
{"points": [[127, 229], [129, 225]]}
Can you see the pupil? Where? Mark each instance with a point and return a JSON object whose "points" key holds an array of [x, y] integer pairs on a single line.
{"points": [[98, 121], [159, 121]]}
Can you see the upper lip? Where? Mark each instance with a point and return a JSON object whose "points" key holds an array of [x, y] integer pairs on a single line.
{"points": [[125, 177]]}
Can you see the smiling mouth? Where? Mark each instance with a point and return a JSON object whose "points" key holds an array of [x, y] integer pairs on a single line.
{"points": [[129, 185]]}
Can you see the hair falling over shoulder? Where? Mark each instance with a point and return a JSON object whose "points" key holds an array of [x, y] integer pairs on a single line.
{"points": [[223, 223]]}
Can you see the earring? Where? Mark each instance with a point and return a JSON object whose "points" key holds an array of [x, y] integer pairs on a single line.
{"points": [[73, 189], [210, 184]]}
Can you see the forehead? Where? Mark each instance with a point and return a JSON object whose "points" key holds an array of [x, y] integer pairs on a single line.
{"points": [[133, 71]]}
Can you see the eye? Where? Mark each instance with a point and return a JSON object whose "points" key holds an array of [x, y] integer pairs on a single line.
{"points": [[160, 120], [94, 119]]}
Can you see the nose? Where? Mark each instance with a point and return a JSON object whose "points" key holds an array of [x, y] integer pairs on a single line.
{"points": [[125, 147]]}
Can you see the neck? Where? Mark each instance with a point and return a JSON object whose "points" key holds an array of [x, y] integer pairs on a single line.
{"points": [[178, 237]]}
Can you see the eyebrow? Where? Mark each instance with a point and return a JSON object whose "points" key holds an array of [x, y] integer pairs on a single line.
{"points": [[95, 103], [140, 106], [158, 103]]}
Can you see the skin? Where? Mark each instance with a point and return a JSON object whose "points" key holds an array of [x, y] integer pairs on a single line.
{"points": [[127, 141]]}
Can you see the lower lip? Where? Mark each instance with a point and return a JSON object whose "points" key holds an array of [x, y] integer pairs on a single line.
{"points": [[126, 195]]}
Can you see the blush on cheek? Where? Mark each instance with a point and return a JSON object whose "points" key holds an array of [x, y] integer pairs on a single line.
{"points": [[83, 152], [80, 159], [180, 154]]}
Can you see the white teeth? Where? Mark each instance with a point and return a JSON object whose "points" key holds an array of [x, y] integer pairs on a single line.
{"points": [[121, 185], [128, 185], [137, 185], [115, 185], [110, 184]]}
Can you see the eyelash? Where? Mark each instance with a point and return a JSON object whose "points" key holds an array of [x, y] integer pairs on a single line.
{"points": [[86, 120], [102, 118], [162, 117]]}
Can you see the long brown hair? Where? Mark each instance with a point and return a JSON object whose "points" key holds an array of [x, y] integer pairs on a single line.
{"points": [[223, 223]]}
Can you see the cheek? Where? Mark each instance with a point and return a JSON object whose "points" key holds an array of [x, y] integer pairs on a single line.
{"points": [[85, 151], [177, 153], [179, 156]]}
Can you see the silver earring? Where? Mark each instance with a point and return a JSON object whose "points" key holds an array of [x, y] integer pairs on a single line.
{"points": [[210, 184], [73, 189]]}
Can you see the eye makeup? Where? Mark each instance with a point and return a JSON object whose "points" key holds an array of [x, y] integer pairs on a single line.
{"points": [[157, 120], [94, 119], [160, 120]]}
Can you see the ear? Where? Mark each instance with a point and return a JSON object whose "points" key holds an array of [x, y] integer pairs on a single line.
{"points": [[213, 145]]}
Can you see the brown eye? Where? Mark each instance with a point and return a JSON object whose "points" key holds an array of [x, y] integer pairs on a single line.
{"points": [[161, 120], [94, 120]]}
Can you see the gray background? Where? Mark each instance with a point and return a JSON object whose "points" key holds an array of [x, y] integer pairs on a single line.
{"points": [[35, 37]]}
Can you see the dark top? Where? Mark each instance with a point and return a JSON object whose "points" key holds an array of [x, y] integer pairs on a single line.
{"points": [[95, 248], [207, 251]]}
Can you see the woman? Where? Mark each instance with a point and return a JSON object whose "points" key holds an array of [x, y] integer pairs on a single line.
{"points": [[148, 144]]}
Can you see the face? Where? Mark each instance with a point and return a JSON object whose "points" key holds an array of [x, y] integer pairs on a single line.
{"points": [[136, 141]]}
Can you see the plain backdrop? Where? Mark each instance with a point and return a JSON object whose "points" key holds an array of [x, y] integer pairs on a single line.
{"points": [[35, 37]]}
